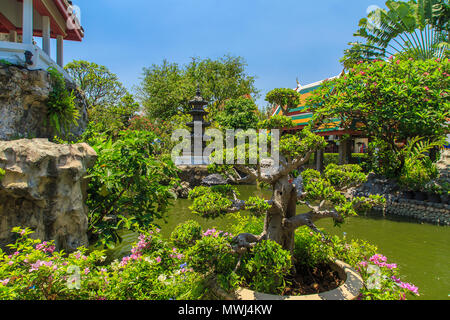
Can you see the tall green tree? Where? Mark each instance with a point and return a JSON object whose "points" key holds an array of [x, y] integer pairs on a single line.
{"points": [[110, 105], [390, 102], [99, 84], [415, 28], [168, 87], [240, 113]]}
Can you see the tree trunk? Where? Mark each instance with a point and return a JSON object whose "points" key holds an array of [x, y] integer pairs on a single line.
{"points": [[284, 207]]}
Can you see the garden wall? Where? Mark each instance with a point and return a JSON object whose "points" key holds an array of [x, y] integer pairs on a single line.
{"points": [[421, 211]]}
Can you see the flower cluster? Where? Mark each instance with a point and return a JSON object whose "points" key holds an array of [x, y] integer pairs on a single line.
{"points": [[380, 261], [45, 247], [137, 251], [382, 280], [216, 233]]}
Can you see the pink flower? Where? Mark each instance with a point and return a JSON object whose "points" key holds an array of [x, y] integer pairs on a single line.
{"points": [[363, 263], [35, 266], [22, 232], [426, 88], [86, 271], [158, 259], [410, 287], [5, 282]]}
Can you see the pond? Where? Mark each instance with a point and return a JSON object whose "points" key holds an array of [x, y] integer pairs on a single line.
{"points": [[422, 251]]}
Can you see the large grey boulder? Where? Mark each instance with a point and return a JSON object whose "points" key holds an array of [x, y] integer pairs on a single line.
{"points": [[44, 189], [23, 109]]}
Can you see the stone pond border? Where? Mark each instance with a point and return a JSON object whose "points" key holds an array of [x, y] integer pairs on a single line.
{"points": [[349, 290]]}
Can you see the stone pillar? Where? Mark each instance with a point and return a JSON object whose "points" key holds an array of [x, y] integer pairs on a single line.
{"points": [[13, 36], [27, 24], [46, 35], [60, 51], [319, 160]]}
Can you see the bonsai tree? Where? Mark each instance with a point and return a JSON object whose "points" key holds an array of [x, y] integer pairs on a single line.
{"points": [[324, 194]]}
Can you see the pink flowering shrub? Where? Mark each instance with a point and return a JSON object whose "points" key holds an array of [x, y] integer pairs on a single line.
{"points": [[382, 281], [154, 270]]}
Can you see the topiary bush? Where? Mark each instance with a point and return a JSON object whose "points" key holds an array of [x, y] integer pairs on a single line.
{"points": [[186, 234], [266, 266]]}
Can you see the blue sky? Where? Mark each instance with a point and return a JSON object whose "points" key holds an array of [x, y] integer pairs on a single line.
{"points": [[279, 39]]}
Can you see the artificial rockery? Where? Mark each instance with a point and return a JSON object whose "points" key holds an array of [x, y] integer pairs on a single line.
{"points": [[325, 194]]}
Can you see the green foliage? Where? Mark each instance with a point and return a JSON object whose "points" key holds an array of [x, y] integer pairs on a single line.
{"points": [[389, 101], [212, 253], [413, 29], [113, 118], [239, 113], [130, 184], [257, 206], [276, 122], [186, 234], [344, 176], [266, 266], [210, 204], [285, 98], [2, 174], [110, 106], [300, 144], [328, 186], [62, 112], [100, 86], [309, 250], [418, 169], [154, 271], [167, 88]]}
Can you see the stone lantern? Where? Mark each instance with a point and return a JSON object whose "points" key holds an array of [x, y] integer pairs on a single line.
{"points": [[198, 126]]}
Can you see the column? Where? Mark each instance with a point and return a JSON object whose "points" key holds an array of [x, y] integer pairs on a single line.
{"points": [[27, 24], [319, 160], [46, 34], [60, 50], [13, 36]]}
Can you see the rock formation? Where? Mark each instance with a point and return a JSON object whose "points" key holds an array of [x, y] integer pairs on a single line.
{"points": [[44, 189], [23, 110]]}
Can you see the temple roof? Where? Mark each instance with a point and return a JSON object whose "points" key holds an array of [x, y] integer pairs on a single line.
{"points": [[62, 21]]}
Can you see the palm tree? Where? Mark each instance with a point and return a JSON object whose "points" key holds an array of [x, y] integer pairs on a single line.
{"points": [[417, 29]]}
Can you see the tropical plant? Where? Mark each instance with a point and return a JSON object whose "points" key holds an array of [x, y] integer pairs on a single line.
{"points": [[418, 170], [389, 102], [416, 29], [62, 112], [130, 184]]}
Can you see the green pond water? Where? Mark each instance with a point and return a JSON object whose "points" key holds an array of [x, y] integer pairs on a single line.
{"points": [[422, 251]]}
